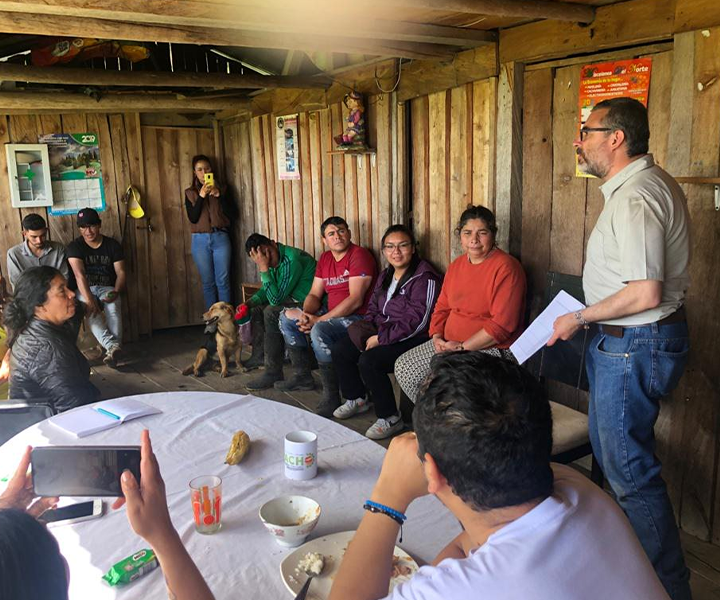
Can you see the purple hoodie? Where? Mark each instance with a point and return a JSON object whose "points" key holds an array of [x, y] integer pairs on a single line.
{"points": [[408, 312]]}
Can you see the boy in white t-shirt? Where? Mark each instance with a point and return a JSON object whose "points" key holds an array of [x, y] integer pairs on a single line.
{"points": [[531, 530]]}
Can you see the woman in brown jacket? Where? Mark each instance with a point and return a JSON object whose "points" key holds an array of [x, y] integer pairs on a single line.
{"points": [[211, 249]]}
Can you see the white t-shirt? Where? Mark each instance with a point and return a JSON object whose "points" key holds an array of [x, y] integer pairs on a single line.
{"points": [[576, 544]]}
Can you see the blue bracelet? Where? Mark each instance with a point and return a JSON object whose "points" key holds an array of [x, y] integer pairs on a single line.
{"points": [[391, 512]]}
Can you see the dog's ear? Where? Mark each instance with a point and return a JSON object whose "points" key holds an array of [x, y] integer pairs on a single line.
{"points": [[229, 309]]}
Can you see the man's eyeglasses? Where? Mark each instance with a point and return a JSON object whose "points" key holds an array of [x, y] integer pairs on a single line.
{"points": [[402, 246], [585, 130]]}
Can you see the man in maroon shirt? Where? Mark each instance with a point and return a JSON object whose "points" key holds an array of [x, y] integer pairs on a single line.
{"points": [[344, 275]]}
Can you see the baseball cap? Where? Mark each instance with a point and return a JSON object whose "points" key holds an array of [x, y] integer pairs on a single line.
{"points": [[88, 216]]}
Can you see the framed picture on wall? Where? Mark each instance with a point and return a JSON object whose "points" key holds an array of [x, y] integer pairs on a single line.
{"points": [[29, 175]]}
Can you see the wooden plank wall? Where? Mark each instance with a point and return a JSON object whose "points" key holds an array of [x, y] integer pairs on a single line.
{"points": [[358, 188], [560, 210], [122, 164], [452, 159], [176, 286]]}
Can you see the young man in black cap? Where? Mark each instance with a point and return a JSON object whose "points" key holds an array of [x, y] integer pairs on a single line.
{"points": [[99, 268]]}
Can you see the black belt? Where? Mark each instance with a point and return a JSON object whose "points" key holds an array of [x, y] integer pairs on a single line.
{"points": [[678, 316]]}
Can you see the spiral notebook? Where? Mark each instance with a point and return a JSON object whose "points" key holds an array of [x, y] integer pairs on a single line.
{"points": [[85, 421]]}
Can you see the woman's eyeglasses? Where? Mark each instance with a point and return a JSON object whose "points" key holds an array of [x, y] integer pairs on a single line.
{"points": [[402, 246]]}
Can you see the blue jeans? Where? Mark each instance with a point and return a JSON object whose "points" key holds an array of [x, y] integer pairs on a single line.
{"points": [[322, 335], [628, 377], [107, 327], [211, 253]]}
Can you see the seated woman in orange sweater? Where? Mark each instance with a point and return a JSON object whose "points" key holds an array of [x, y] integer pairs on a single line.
{"points": [[481, 304]]}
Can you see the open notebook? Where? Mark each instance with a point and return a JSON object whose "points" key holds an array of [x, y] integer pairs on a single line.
{"points": [[111, 413]]}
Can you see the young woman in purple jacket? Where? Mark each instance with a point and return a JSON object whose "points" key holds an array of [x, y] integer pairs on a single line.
{"points": [[397, 320]]}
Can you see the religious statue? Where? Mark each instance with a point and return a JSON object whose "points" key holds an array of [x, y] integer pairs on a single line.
{"points": [[353, 138]]}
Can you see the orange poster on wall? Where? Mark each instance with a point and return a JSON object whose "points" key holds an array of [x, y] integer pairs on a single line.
{"points": [[603, 81]]}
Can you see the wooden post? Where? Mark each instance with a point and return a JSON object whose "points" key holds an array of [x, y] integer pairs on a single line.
{"points": [[508, 170]]}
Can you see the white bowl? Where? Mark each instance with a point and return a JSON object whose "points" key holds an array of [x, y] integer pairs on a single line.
{"points": [[290, 519]]}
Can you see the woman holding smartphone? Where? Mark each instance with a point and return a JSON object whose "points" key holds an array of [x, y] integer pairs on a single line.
{"points": [[207, 208]]}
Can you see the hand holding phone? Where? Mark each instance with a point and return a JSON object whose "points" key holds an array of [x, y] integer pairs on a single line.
{"points": [[209, 180], [147, 508], [19, 492]]}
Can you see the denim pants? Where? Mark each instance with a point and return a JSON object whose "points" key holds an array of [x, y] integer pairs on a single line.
{"points": [[211, 253], [628, 377], [107, 329], [322, 336]]}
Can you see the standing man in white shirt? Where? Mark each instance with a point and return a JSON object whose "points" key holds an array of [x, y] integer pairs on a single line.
{"points": [[482, 443], [635, 278]]}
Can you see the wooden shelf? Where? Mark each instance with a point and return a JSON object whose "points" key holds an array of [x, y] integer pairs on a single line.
{"points": [[352, 152], [709, 180]]}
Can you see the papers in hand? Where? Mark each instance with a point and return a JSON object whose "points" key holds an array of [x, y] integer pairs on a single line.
{"points": [[85, 421], [541, 329]]}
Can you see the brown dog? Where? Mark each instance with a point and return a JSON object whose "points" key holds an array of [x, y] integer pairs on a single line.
{"points": [[220, 315]]}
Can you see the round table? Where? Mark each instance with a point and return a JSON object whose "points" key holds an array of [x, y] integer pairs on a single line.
{"points": [[191, 438]]}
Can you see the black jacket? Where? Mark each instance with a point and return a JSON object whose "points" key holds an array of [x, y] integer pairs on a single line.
{"points": [[46, 366]]}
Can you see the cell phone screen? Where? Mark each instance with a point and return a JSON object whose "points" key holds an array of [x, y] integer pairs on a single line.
{"points": [[82, 470], [74, 511]]}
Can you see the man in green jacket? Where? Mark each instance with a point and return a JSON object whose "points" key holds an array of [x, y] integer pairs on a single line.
{"points": [[287, 275]]}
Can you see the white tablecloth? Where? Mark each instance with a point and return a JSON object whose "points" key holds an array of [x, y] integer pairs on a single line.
{"points": [[190, 438]]}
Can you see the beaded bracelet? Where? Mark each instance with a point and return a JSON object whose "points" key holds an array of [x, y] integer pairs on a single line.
{"points": [[397, 516]]}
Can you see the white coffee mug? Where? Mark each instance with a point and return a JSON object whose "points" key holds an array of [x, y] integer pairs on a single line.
{"points": [[300, 455]]}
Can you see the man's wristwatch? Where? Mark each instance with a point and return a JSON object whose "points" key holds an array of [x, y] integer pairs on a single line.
{"points": [[580, 319]]}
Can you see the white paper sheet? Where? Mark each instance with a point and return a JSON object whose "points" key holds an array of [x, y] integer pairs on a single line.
{"points": [[541, 329]]}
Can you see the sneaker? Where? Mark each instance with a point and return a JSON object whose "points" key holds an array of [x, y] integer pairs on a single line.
{"points": [[112, 356], [351, 408], [384, 428]]}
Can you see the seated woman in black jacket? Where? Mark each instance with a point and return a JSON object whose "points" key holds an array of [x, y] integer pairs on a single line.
{"points": [[43, 319]]}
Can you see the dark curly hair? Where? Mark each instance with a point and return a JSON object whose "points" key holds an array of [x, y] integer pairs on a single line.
{"points": [[477, 212], [487, 424], [30, 292]]}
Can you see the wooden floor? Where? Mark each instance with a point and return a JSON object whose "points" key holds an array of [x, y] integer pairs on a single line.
{"points": [[155, 365]]}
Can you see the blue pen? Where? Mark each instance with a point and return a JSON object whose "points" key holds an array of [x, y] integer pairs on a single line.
{"points": [[107, 413]]}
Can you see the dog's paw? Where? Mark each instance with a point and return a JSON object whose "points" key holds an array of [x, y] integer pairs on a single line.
{"points": [[197, 373], [188, 370], [224, 374]]}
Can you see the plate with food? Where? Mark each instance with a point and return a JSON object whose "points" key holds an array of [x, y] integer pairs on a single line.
{"points": [[331, 548]]}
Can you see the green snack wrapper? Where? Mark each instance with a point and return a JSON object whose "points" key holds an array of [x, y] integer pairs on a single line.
{"points": [[131, 568]]}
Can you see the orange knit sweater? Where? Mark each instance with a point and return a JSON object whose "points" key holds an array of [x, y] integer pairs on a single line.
{"points": [[489, 296]]}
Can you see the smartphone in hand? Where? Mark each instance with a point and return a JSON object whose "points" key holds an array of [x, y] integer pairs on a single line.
{"points": [[82, 470], [209, 179]]}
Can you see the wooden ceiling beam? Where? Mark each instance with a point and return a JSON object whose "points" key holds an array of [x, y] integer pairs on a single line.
{"points": [[33, 102], [53, 25], [144, 79], [188, 16], [217, 13], [623, 24], [522, 9]]}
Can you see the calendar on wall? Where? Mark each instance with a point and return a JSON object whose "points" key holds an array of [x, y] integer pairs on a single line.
{"points": [[75, 172]]}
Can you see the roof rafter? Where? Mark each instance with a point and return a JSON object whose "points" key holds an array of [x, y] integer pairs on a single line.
{"points": [[53, 25], [100, 77]]}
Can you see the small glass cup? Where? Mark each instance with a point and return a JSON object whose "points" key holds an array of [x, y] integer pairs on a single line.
{"points": [[206, 495]]}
